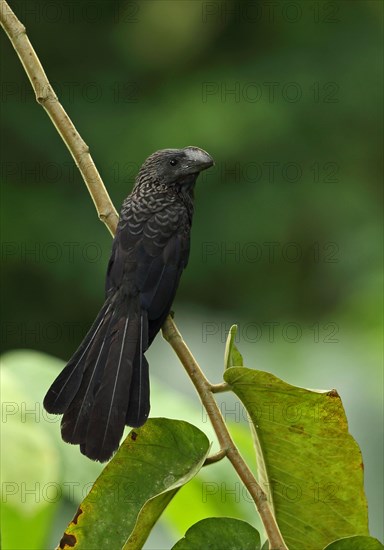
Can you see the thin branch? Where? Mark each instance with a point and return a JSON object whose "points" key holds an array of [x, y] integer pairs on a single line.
{"points": [[215, 457], [219, 388], [227, 445], [47, 98]]}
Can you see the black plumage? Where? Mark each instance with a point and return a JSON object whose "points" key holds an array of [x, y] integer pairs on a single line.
{"points": [[105, 385]]}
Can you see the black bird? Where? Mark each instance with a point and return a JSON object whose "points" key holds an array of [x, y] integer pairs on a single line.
{"points": [[105, 385]]}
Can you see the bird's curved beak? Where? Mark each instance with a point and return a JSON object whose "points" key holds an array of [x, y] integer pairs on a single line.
{"points": [[197, 160]]}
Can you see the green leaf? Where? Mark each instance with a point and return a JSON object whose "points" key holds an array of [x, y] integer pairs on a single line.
{"points": [[219, 533], [134, 488], [26, 531], [232, 356], [218, 491], [30, 431], [29, 463], [308, 464], [355, 543]]}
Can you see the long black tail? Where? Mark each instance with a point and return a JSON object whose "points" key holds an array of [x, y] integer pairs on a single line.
{"points": [[105, 385]]}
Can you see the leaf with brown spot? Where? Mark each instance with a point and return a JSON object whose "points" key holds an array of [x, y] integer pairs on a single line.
{"points": [[137, 484], [67, 541], [308, 463], [79, 511]]}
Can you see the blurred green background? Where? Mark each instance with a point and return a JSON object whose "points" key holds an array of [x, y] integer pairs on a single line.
{"points": [[287, 236]]}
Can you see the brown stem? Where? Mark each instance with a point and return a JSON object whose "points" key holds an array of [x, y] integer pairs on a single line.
{"points": [[216, 457], [219, 388], [227, 445]]}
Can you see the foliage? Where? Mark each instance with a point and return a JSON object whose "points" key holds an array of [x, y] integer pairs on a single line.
{"points": [[308, 464]]}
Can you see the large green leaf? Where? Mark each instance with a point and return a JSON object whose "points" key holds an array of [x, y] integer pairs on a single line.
{"points": [[220, 533], [217, 490], [25, 377], [308, 463], [40, 474], [134, 488], [26, 532]]}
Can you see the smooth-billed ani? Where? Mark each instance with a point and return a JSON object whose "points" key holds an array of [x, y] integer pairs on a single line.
{"points": [[105, 385]]}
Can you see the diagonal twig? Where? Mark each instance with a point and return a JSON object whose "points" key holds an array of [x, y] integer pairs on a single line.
{"points": [[227, 445]]}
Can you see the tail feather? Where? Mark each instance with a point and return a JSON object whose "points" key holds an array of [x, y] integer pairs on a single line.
{"points": [[75, 420], [138, 406], [67, 384], [105, 385], [107, 417]]}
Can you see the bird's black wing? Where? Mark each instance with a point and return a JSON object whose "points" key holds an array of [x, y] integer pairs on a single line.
{"points": [[150, 251], [162, 254], [161, 251]]}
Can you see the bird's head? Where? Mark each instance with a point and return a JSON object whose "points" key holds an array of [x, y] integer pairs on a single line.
{"points": [[175, 167]]}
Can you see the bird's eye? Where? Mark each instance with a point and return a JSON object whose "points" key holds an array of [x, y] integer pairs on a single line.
{"points": [[173, 162]]}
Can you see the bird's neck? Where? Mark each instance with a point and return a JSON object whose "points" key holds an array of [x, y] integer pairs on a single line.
{"points": [[186, 196]]}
